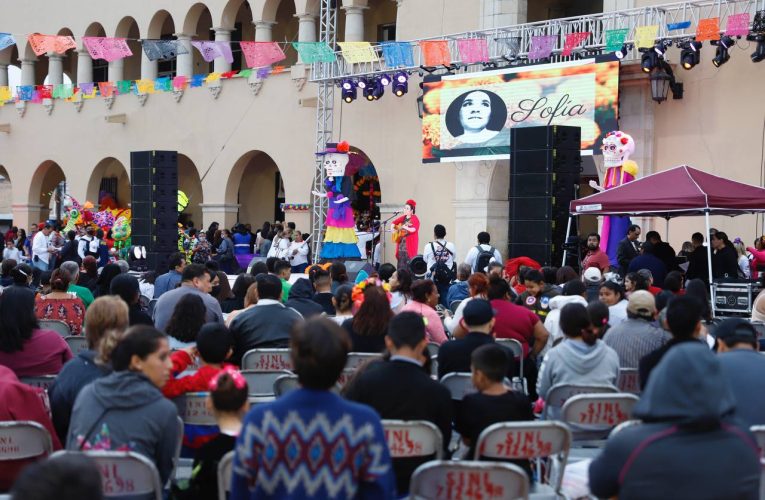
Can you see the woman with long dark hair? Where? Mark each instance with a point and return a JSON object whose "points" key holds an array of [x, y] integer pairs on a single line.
{"points": [[61, 305], [24, 347], [369, 325], [104, 282], [188, 317], [424, 300], [236, 300], [89, 275], [401, 289], [343, 302], [478, 286]]}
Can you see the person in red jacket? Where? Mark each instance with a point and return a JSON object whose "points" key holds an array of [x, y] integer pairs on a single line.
{"points": [[21, 402], [407, 233], [214, 347]]}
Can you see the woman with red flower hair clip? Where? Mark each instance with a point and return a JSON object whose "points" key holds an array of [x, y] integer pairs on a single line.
{"points": [[406, 234]]}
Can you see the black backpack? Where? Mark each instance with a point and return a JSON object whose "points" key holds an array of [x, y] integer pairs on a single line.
{"points": [[440, 272], [483, 259]]}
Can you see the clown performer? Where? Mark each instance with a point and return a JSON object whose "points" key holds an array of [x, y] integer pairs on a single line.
{"points": [[340, 240], [619, 169], [406, 231]]}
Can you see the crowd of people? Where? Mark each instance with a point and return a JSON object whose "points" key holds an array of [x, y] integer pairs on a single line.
{"points": [[153, 338]]}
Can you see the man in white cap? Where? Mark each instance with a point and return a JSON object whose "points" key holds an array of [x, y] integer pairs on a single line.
{"points": [[592, 278], [636, 336]]}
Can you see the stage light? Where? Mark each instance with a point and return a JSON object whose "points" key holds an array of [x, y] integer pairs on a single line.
{"points": [[690, 55], [400, 85], [365, 83], [648, 60], [622, 53], [368, 92], [385, 79], [378, 89], [349, 91], [759, 53], [721, 54]]}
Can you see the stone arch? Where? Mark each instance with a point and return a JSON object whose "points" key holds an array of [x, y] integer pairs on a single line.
{"points": [[286, 28], [233, 11], [95, 29], [119, 189], [157, 25], [312, 7], [237, 16], [46, 178], [255, 184], [128, 28], [196, 14], [6, 195], [265, 10], [190, 183]]}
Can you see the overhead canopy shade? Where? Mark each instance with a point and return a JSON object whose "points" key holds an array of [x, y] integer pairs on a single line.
{"points": [[679, 191]]}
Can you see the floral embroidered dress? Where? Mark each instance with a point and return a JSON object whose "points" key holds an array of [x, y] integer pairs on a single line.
{"points": [[71, 311]]}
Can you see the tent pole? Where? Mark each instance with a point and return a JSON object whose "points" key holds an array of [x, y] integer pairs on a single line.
{"points": [[709, 263], [568, 230], [666, 231]]}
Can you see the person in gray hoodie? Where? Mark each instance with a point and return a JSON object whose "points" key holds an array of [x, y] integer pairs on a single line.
{"points": [[301, 299], [688, 445], [581, 358], [126, 410]]}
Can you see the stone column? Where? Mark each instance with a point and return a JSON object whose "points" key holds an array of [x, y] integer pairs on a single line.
{"points": [[28, 71], [3, 75], [220, 65], [354, 24], [614, 5], [184, 65], [225, 214], [55, 69], [498, 13], [84, 67], [148, 68], [117, 70], [263, 31], [306, 30], [25, 214]]}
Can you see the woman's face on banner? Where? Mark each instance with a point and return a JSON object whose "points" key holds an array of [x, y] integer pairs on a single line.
{"points": [[475, 111]]}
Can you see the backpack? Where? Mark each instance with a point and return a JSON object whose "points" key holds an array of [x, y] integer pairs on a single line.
{"points": [[483, 259], [439, 271], [88, 245]]}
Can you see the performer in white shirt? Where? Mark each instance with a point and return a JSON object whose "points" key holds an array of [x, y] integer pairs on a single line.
{"points": [[41, 248], [298, 253]]}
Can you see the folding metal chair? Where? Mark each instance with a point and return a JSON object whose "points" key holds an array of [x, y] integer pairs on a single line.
{"points": [[433, 349], [77, 343], [560, 393], [629, 381], [532, 441], [517, 349], [413, 438], [225, 469], [60, 327], [454, 305], [40, 381], [285, 383], [261, 382], [759, 436], [124, 473], [460, 384], [23, 440], [267, 360], [355, 359], [592, 417], [444, 479], [192, 409]]}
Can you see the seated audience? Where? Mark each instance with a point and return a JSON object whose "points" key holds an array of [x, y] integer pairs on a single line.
{"points": [[25, 348], [195, 280], [5, 270], [106, 318], [493, 403], [265, 325], [339, 275], [367, 328], [514, 321], [649, 261], [598, 313], [73, 270], [250, 299], [638, 335], [478, 287], [574, 292], [283, 270], [684, 321], [686, 445], [458, 290], [126, 287], [89, 276], [61, 305], [146, 284], [400, 388], [69, 477], [188, 317], [342, 302], [104, 282], [313, 422], [612, 295], [239, 291], [424, 300], [126, 409], [23, 276], [743, 368], [674, 283], [401, 289], [301, 299], [323, 285], [581, 358], [220, 288], [538, 293], [172, 278]]}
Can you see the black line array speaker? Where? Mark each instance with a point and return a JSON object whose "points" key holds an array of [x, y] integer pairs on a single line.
{"points": [[545, 165], [154, 194]]}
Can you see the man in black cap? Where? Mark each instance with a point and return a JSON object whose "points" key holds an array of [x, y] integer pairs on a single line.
{"points": [[478, 320], [743, 367]]}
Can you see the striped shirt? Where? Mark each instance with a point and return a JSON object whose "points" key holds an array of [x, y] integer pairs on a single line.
{"points": [[633, 338]]}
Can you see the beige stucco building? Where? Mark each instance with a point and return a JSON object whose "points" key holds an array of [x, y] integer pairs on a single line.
{"points": [[236, 146]]}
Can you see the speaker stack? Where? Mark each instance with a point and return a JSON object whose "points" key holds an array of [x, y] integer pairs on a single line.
{"points": [[154, 194], [545, 164]]}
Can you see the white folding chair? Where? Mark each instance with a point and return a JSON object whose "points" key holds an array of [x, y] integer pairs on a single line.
{"points": [[460, 384], [274, 360], [124, 473], [560, 393], [261, 382], [594, 416], [433, 348], [530, 441], [759, 436], [357, 358], [57, 326], [454, 305], [413, 438], [77, 343], [40, 381], [192, 408], [23, 440], [177, 461], [285, 383], [444, 479], [517, 349], [225, 469], [624, 425], [629, 381]]}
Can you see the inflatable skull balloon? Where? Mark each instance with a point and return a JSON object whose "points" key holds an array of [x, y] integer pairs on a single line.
{"points": [[617, 148]]}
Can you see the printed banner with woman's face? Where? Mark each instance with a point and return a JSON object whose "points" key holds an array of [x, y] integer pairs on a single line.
{"points": [[469, 116]]}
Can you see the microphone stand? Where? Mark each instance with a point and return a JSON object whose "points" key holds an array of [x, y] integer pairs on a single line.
{"points": [[382, 238]]}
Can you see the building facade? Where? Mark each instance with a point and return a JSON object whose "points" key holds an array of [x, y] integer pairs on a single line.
{"points": [[248, 145]]}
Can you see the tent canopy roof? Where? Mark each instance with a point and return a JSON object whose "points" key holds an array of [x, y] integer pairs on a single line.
{"points": [[679, 191]]}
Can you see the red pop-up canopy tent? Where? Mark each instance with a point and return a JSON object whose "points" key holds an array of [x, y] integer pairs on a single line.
{"points": [[679, 191]]}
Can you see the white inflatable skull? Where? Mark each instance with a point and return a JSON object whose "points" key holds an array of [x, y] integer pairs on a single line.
{"points": [[335, 163], [617, 148]]}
